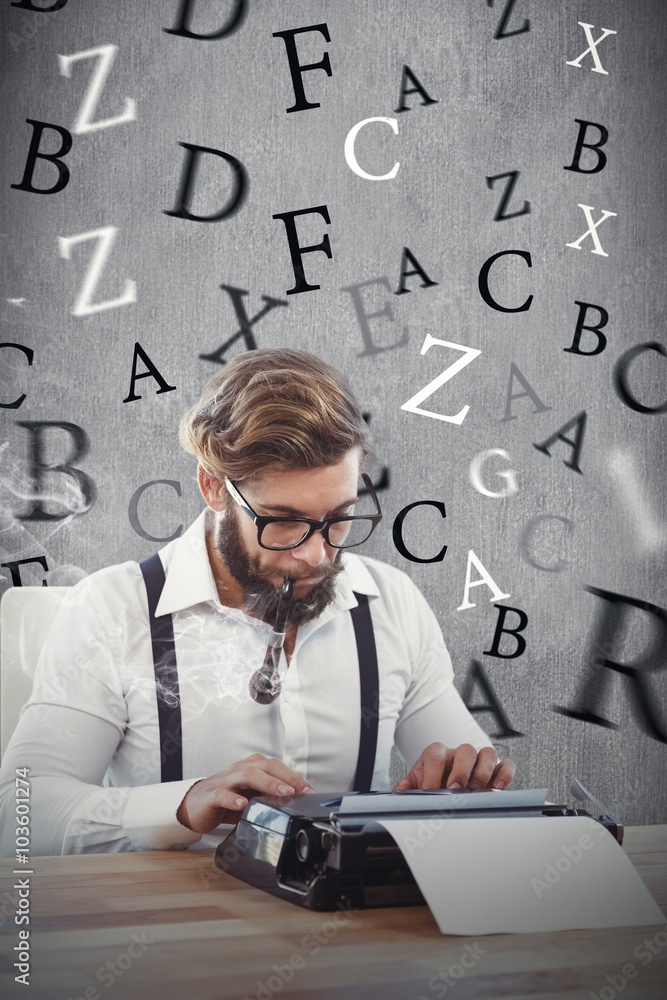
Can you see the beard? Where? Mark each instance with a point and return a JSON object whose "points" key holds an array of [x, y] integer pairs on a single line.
{"points": [[261, 596]]}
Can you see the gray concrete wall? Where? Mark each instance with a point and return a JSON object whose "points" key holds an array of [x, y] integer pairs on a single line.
{"points": [[499, 105]]}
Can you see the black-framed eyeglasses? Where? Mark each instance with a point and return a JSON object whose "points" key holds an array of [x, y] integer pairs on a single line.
{"points": [[280, 533]]}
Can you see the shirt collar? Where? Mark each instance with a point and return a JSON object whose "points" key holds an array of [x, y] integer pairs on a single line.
{"points": [[190, 578]]}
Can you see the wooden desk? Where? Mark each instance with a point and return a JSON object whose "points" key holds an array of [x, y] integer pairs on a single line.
{"points": [[171, 926]]}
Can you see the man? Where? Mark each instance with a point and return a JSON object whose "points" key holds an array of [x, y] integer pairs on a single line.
{"points": [[148, 726]]}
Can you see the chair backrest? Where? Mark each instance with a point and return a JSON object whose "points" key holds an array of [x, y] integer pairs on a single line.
{"points": [[26, 616]]}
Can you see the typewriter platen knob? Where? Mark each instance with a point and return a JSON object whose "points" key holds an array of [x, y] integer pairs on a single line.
{"points": [[328, 841], [308, 845]]}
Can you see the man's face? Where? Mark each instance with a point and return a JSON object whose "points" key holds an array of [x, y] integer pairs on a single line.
{"points": [[315, 493]]}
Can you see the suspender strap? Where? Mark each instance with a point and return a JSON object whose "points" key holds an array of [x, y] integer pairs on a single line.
{"points": [[166, 674], [370, 693]]}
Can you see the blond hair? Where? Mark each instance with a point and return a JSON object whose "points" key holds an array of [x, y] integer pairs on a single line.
{"points": [[273, 408]]}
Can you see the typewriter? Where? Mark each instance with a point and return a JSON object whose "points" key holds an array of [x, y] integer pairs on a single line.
{"points": [[329, 851]]}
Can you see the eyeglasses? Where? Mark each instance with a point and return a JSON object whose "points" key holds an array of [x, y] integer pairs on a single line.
{"points": [[279, 533]]}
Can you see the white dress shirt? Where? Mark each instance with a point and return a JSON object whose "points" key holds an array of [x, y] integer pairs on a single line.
{"points": [[90, 735]]}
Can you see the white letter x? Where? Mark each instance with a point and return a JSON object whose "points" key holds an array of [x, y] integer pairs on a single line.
{"points": [[592, 48]]}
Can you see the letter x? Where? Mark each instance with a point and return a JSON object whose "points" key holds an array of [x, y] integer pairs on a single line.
{"points": [[592, 48], [245, 331], [592, 230]]}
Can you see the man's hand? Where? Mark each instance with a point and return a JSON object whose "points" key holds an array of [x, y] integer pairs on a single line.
{"points": [[223, 797], [458, 767]]}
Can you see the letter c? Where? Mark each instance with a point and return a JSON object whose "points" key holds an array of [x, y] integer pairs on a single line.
{"points": [[620, 377], [351, 159], [397, 531], [29, 355], [133, 510], [483, 281], [527, 538]]}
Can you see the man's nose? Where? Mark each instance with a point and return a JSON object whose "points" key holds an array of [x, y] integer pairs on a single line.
{"points": [[313, 551]]}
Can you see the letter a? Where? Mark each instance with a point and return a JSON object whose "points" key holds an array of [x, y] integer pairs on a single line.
{"points": [[486, 579], [575, 443]]}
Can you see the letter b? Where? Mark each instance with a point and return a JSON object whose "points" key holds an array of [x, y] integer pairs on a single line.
{"points": [[55, 158], [503, 610], [74, 499], [593, 146], [595, 328]]}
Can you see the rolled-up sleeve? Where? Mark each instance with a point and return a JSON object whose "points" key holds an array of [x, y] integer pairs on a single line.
{"points": [[66, 739], [66, 753]]}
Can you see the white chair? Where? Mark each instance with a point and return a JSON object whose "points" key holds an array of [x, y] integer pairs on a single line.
{"points": [[26, 616]]}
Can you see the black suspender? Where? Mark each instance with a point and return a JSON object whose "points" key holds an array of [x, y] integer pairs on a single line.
{"points": [[168, 696], [166, 674], [369, 683]]}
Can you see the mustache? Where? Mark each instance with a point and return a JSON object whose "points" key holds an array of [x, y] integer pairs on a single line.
{"points": [[322, 573]]}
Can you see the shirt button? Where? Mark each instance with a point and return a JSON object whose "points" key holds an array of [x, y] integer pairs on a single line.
{"points": [[292, 762]]}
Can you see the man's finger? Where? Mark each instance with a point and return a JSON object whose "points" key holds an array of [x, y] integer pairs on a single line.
{"points": [[436, 757], [261, 781], [462, 762], [503, 774], [484, 769], [413, 779], [287, 776], [228, 799]]}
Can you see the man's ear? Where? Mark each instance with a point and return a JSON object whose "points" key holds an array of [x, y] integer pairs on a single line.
{"points": [[213, 490]]}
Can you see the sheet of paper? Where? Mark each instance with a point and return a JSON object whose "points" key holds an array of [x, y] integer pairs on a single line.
{"points": [[517, 875], [442, 799]]}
